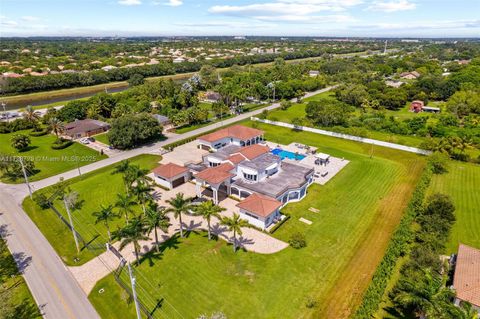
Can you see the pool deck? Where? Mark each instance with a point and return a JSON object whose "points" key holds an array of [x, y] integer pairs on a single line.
{"points": [[329, 170]]}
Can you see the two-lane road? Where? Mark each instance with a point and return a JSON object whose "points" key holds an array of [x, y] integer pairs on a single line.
{"points": [[50, 282]]}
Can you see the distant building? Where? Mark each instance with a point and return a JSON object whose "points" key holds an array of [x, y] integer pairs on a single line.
{"points": [[85, 128], [466, 280], [108, 68], [178, 60], [313, 73], [410, 75], [394, 84], [431, 109], [210, 96], [416, 106], [11, 75]]}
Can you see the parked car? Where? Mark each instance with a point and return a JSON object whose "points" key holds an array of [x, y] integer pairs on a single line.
{"points": [[84, 140]]}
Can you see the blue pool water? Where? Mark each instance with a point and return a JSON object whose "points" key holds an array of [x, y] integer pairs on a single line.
{"points": [[287, 154]]}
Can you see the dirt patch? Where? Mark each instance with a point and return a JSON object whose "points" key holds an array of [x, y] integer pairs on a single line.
{"points": [[347, 292]]}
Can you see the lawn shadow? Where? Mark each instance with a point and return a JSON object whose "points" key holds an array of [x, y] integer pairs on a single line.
{"points": [[152, 254], [28, 148]]}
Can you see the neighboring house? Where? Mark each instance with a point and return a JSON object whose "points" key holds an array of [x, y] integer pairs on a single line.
{"points": [[431, 109], [171, 175], [162, 119], [394, 84], [313, 73], [466, 281], [410, 75], [108, 68], [416, 106], [210, 96], [259, 210], [85, 128], [235, 135]]}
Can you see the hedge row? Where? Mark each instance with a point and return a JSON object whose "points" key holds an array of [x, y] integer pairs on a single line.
{"points": [[280, 223], [398, 246], [39, 133], [61, 146]]}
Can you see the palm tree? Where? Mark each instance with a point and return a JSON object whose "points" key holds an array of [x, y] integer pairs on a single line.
{"points": [[142, 192], [428, 298], [234, 224], [122, 168], [179, 205], [30, 116], [208, 210], [132, 233], [124, 204], [56, 126], [105, 215], [155, 218], [466, 311]]}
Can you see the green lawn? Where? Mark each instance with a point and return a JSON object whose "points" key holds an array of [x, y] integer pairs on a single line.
{"points": [[359, 209], [95, 188], [102, 138], [462, 183], [17, 290], [47, 161]]}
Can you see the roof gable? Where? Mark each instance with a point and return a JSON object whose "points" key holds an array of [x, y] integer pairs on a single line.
{"points": [[260, 205]]}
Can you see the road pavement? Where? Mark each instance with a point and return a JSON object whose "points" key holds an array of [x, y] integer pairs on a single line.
{"points": [[50, 282]]}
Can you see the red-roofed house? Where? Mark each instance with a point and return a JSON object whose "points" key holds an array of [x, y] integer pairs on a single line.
{"points": [[416, 106], [218, 178], [466, 280], [171, 175], [260, 210], [234, 135]]}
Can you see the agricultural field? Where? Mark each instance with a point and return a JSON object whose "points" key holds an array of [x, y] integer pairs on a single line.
{"points": [[106, 186], [462, 184], [48, 162], [358, 211]]}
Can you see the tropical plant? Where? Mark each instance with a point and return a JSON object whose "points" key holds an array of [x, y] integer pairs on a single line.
{"points": [[20, 141], [125, 205], [208, 210], [180, 205], [122, 168], [56, 126], [142, 192], [30, 115], [235, 224], [105, 215], [132, 233], [155, 218]]}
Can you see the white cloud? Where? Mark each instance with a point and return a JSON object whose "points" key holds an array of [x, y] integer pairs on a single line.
{"points": [[392, 6], [289, 10], [6, 22], [130, 2], [174, 3], [30, 18]]}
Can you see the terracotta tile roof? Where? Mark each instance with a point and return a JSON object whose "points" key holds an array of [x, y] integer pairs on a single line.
{"points": [[236, 158], [236, 131], [217, 174], [169, 170], [253, 151], [260, 205], [467, 275]]}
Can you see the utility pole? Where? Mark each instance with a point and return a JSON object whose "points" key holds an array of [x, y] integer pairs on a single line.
{"points": [[134, 291], [67, 202], [25, 176]]}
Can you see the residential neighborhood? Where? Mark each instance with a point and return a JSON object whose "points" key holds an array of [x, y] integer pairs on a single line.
{"points": [[223, 160]]}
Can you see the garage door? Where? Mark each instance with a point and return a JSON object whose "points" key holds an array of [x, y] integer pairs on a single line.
{"points": [[178, 182]]}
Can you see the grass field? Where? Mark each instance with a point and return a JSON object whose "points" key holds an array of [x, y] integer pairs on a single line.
{"points": [[49, 162], [359, 209], [462, 183], [18, 290], [95, 188], [102, 138]]}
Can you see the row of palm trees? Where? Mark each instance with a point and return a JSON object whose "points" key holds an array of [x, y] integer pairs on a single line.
{"points": [[138, 188], [33, 117]]}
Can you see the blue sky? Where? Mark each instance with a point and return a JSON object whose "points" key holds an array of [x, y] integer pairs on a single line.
{"points": [[402, 18]]}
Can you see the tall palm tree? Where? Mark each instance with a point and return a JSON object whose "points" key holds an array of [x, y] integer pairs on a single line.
{"points": [[56, 126], [179, 205], [466, 311], [125, 205], [122, 168], [30, 116], [142, 192], [235, 225], [132, 233], [208, 210], [429, 298], [105, 215], [155, 218]]}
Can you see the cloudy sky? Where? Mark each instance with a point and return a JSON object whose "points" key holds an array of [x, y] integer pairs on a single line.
{"points": [[402, 18]]}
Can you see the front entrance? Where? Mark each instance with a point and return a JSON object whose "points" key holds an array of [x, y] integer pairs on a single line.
{"points": [[178, 182]]}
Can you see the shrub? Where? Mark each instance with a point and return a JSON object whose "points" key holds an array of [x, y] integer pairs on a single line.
{"points": [[311, 303], [20, 141], [41, 200], [439, 162], [297, 240], [61, 144], [39, 133]]}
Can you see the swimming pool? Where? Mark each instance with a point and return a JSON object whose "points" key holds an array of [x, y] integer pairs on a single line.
{"points": [[287, 154]]}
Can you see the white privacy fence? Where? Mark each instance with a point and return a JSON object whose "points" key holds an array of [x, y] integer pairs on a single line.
{"points": [[346, 136]]}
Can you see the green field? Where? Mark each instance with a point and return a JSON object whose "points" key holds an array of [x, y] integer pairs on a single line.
{"points": [[359, 209], [462, 183], [102, 138], [16, 290], [49, 162], [95, 188]]}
